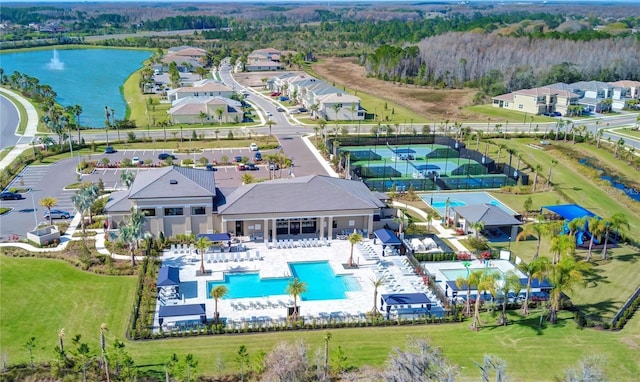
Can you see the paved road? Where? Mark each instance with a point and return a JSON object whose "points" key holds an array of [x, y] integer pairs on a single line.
{"points": [[9, 121]]}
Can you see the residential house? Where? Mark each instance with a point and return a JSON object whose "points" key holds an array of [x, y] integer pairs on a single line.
{"points": [[185, 200], [215, 109], [594, 95], [204, 88], [623, 92], [537, 100], [308, 91]]}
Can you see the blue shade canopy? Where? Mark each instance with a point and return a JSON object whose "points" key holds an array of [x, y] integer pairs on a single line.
{"points": [[405, 298], [168, 276], [387, 237], [181, 310], [570, 211], [214, 236]]}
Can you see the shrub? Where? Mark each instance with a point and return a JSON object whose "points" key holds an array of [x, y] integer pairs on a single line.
{"points": [[478, 243]]}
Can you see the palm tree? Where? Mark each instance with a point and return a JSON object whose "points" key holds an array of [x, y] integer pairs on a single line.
{"points": [[619, 145], [132, 231], [536, 228], [430, 216], [202, 117], [219, 113], [49, 202], [325, 373], [562, 245], [563, 275], [537, 170], [477, 227], [216, 294], [484, 282], [510, 282], [336, 109], [127, 177], [202, 245], [553, 164], [247, 179], [354, 239], [597, 227], [376, 283], [77, 110], [270, 123], [465, 282], [574, 225], [103, 345], [501, 147], [447, 206], [538, 268], [614, 223], [82, 202], [295, 288], [61, 340]]}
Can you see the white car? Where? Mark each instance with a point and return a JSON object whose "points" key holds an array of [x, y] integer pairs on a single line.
{"points": [[269, 114], [253, 147]]}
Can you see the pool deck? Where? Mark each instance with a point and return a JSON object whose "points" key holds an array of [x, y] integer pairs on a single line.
{"points": [[272, 262], [476, 265]]}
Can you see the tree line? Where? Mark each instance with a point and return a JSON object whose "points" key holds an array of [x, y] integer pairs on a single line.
{"points": [[477, 59]]}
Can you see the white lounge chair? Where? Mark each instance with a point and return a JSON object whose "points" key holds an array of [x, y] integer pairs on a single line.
{"points": [[173, 249]]}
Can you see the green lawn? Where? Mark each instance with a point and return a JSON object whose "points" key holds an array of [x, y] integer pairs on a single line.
{"points": [[5, 151], [40, 296], [627, 131], [502, 116], [576, 186]]}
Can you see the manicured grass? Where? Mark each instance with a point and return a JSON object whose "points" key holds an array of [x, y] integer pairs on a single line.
{"points": [[566, 177], [41, 296], [539, 199], [5, 151], [499, 115], [627, 131]]}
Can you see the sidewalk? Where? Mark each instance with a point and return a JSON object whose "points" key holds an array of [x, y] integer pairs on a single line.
{"points": [[30, 131]]}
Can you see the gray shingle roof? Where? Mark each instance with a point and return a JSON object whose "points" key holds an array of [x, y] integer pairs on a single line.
{"points": [[488, 214], [118, 201], [189, 182], [308, 193]]}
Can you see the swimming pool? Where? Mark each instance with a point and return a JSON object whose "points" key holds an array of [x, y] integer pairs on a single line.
{"points": [[438, 200], [322, 283]]}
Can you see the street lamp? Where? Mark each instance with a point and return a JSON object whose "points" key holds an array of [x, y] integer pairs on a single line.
{"points": [[509, 244]]}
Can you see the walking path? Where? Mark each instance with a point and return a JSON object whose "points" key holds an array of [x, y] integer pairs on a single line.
{"points": [[30, 131]]}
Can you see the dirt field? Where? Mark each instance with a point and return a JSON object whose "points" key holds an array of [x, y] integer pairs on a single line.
{"points": [[433, 104]]}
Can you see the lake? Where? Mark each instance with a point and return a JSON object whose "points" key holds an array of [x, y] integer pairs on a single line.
{"points": [[90, 78]]}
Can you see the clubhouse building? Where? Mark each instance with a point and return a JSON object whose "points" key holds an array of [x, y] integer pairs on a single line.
{"points": [[179, 200]]}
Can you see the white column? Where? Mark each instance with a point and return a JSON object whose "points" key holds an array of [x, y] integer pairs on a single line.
{"points": [[274, 236], [265, 230], [370, 226], [223, 227], [330, 227], [321, 223]]}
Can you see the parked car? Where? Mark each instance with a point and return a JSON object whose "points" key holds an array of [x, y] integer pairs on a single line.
{"points": [[211, 167], [274, 166], [237, 158], [251, 167], [280, 109], [303, 109], [109, 150], [57, 214], [7, 195], [253, 147], [275, 94], [164, 156], [257, 157], [294, 111], [241, 167], [283, 98], [557, 114]]}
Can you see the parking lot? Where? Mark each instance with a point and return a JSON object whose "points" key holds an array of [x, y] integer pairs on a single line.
{"points": [[50, 180]]}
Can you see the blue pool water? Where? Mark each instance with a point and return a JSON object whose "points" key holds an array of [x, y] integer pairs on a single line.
{"points": [[438, 200], [322, 283]]}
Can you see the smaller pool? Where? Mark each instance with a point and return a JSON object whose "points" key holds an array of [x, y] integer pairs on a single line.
{"points": [[453, 274], [453, 203]]}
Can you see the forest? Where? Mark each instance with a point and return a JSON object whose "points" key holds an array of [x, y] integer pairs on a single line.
{"points": [[466, 59]]}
